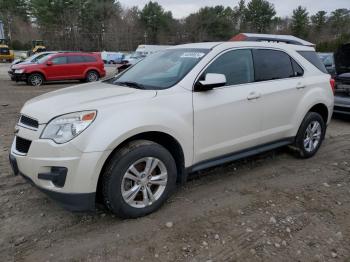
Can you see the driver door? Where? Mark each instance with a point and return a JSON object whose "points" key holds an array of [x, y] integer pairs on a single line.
{"points": [[229, 118], [58, 69]]}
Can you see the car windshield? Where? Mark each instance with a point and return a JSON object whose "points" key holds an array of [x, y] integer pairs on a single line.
{"points": [[44, 59], [160, 70], [37, 57]]}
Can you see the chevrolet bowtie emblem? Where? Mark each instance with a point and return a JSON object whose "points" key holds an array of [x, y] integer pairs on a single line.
{"points": [[16, 130]]}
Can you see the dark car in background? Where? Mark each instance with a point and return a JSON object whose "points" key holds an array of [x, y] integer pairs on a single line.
{"points": [[328, 61], [342, 65], [86, 67], [338, 66]]}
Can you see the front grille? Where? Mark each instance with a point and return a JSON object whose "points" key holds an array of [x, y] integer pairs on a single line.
{"points": [[25, 120], [22, 145]]}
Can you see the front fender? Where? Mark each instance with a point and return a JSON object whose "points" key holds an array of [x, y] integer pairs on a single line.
{"points": [[115, 124]]}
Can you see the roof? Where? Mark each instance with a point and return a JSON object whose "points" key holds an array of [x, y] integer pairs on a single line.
{"points": [[204, 45], [233, 44], [289, 39]]}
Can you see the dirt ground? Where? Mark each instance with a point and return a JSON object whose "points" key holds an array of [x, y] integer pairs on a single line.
{"points": [[272, 207]]}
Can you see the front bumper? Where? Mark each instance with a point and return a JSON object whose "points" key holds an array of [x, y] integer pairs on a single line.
{"points": [[70, 201], [62, 171], [18, 77], [12, 75]]}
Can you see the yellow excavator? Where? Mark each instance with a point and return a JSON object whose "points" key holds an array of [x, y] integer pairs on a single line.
{"points": [[38, 46], [5, 53]]}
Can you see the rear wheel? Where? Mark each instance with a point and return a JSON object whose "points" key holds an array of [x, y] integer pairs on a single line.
{"points": [[92, 76], [35, 79], [310, 135], [138, 179]]}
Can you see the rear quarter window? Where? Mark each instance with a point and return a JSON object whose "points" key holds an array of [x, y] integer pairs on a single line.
{"points": [[74, 59], [313, 58], [90, 59]]}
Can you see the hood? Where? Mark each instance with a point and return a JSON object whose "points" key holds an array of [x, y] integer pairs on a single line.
{"points": [[342, 59], [92, 96], [16, 61], [23, 64]]}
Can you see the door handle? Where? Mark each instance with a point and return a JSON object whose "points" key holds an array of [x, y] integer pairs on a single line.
{"points": [[300, 86], [253, 95]]}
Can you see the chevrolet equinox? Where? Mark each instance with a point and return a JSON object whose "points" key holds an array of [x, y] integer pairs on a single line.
{"points": [[128, 140]]}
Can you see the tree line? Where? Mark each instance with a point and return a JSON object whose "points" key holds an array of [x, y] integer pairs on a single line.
{"points": [[105, 25]]}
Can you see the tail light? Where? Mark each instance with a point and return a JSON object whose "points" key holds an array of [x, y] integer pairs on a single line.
{"points": [[332, 83]]}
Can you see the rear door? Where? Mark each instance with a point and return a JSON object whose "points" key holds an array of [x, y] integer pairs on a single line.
{"points": [[58, 69], [279, 79], [77, 66]]}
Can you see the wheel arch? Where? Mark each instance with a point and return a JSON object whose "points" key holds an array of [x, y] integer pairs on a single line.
{"points": [[89, 69], [321, 109], [165, 140], [37, 72]]}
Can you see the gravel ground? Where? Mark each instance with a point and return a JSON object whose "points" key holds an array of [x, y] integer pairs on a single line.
{"points": [[272, 207]]}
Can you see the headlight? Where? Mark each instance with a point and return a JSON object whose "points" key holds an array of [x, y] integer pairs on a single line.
{"points": [[64, 128], [19, 71]]}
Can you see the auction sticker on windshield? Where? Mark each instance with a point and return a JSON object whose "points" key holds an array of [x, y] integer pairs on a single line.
{"points": [[196, 55]]}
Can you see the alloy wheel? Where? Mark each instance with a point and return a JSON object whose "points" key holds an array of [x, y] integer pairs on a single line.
{"points": [[144, 182], [312, 136], [36, 80], [92, 77]]}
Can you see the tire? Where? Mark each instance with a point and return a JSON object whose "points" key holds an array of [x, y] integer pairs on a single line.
{"points": [[313, 126], [92, 76], [119, 180], [35, 79]]}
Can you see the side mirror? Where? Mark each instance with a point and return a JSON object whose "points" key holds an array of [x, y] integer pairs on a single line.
{"points": [[211, 81], [49, 63]]}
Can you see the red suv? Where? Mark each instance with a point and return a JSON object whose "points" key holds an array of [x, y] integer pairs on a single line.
{"points": [[86, 67]]}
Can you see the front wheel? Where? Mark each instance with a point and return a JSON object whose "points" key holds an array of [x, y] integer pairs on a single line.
{"points": [[310, 135], [35, 79], [138, 179]]}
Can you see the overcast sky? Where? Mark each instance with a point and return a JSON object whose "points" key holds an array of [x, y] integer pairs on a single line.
{"points": [[181, 8]]}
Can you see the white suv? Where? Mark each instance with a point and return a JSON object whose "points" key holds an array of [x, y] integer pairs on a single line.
{"points": [[128, 140]]}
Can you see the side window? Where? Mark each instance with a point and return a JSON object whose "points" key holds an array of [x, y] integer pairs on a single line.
{"points": [[90, 59], [297, 69], [73, 59], [271, 64], [60, 60], [236, 65]]}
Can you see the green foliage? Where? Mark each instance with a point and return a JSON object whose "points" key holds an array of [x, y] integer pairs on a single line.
{"points": [[13, 8], [340, 20], [319, 20], [213, 23], [155, 19], [104, 24], [259, 15], [300, 22], [333, 45]]}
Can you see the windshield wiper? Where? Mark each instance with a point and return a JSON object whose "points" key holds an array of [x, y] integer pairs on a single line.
{"points": [[130, 84]]}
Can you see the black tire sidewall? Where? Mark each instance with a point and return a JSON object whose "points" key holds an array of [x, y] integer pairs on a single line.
{"points": [[32, 75], [311, 116], [92, 72], [121, 163]]}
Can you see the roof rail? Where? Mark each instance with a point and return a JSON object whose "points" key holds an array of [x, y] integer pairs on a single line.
{"points": [[288, 39]]}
